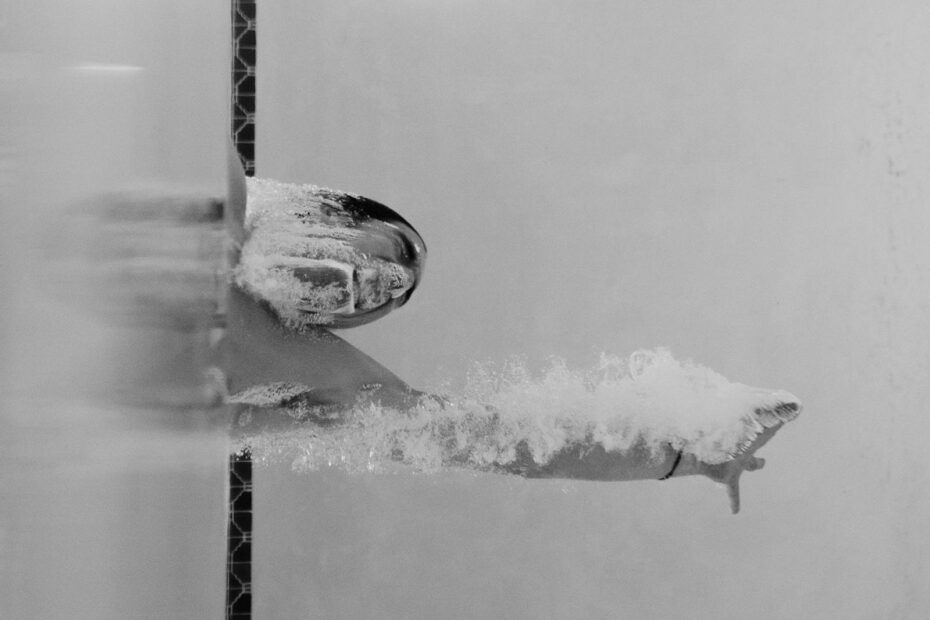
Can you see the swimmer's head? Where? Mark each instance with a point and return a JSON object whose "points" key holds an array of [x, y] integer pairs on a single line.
{"points": [[322, 257]]}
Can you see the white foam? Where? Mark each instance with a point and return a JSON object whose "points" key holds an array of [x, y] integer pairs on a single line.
{"points": [[650, 399]]}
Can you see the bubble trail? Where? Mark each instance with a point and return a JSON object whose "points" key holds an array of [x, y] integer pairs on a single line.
{"points": [[507, 413]]}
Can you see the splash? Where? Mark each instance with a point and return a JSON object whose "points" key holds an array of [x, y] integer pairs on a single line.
{"points": [[507, 412]]}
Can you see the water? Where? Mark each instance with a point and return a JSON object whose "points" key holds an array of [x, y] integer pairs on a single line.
{"points": [[739, 185]]}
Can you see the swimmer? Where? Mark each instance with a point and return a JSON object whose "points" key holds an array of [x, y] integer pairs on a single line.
{"points": [[195, 265], [341, 372]]}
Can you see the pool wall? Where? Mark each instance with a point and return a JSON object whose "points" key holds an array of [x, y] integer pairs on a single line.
{"points": [[111, 509]]}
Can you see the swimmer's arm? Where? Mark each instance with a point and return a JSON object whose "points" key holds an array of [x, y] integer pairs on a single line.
{"points": [[593, 462]]}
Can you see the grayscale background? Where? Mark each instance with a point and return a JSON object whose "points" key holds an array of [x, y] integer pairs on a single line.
{"points": [[743, 182]]}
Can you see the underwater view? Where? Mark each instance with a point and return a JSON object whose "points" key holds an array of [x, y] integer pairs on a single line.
{"points": [[463, 310]]}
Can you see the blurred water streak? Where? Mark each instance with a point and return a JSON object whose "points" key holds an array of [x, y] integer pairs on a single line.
{"points": [[113, 477]]}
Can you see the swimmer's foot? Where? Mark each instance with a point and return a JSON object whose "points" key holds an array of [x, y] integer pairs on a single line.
{"points": [[761, 427]]}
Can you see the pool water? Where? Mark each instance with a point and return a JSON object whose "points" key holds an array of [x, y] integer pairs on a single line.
{"points": [[740, 186]]}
